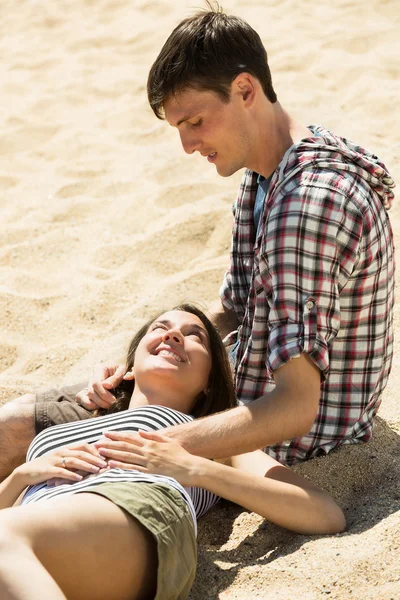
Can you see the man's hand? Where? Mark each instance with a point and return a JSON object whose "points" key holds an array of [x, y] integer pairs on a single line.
{"points": [[104, 378], [149, 452]]}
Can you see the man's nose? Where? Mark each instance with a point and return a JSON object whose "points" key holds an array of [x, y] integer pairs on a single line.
{"points": [[173, 335], [190, 142]]}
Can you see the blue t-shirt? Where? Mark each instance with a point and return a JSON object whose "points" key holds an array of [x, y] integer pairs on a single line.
{"points": [[262, 191]]}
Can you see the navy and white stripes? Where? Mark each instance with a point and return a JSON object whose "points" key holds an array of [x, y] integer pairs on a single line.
{"points": [[145, 418]]}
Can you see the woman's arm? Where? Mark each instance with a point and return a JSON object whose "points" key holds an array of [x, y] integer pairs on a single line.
{"points": [[59, 464], [257, 481], [261, 484]]}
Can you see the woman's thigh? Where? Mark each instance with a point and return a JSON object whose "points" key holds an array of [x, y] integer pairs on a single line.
{"points": [[91, 547]]}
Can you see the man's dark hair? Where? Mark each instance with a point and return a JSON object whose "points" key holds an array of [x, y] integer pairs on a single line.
{"points": [[206, 52]]}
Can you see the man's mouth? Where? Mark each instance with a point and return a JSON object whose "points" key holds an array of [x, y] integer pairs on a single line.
{"points": [[211, 157]]}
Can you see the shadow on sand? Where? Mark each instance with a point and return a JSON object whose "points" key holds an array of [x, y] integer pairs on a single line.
{"points": [[363, 479]]}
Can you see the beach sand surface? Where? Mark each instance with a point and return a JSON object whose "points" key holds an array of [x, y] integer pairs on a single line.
{"points": [[104, 219]]}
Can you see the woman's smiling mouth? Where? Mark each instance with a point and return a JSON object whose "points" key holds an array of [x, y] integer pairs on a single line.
{"points": [[169, 353]]}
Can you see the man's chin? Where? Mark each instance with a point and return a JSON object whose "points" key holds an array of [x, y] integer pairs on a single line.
{"points": [[225, 171]]}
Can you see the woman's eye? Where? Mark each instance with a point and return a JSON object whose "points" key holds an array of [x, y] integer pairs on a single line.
{"points": [[157, 326], [197, 124], [196, 334]]}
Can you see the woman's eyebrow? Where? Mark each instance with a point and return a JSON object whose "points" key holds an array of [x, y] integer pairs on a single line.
{"points": [[202, 330], [168, 323]]}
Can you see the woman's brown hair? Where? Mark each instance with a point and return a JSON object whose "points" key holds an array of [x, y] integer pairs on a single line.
{"points": [[220, 393]]}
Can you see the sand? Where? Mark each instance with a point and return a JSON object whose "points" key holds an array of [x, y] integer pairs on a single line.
{"points": [[104, 218]]}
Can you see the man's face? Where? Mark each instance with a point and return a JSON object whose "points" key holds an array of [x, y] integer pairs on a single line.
{"points": [[212, 127]]}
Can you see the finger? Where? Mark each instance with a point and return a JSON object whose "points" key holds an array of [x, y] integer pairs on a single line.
{"points": [[101, 372], [85, 458], [107, 468], [115, 464], [69, 475], [82, 474], [129, 376], [100, 396], [60, 481], [84, 446], [125, 457], [83, 399], [115, 379], [114, 445], [124, 444], [75, 464], [156, 436], [123, 436], [63, 475]]}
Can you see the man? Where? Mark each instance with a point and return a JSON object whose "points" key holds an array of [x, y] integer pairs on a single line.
{"points": [[308, 298]]}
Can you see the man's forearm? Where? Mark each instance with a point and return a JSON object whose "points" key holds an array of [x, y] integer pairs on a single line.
{"points": [[224, 319], [285, 413], [266, 421]]}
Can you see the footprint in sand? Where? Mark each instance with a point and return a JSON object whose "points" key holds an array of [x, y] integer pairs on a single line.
{"points": [[25, 139], [175, 247], [8, 356], [175, 170], [143, 42], [113, 256], [7, 183], [179, 195], [78, 188], [98, 42]]}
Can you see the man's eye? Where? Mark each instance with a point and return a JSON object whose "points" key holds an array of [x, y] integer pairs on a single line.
{"points": [[197, 123]]}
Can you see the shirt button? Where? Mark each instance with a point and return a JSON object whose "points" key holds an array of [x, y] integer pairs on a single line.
{"points": [[310, 304]]}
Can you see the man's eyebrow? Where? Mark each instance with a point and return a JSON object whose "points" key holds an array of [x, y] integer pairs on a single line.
{"points": [[185, 118]]}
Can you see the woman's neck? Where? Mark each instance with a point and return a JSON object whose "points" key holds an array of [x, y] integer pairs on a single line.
{"points": [[138, 398], [161, 397]]}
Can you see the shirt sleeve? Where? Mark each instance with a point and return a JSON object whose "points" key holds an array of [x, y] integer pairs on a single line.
{"points": [[310, 247], [225, 291]]}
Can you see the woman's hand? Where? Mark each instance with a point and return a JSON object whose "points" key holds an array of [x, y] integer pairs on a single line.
{"points": [[149, 453], [66, 464]]}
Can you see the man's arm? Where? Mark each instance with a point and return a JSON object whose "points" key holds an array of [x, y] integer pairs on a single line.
{"points": [[287, 412], [224, 319]]}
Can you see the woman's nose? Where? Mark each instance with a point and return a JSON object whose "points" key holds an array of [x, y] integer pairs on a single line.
{"points": [[174, 335]]}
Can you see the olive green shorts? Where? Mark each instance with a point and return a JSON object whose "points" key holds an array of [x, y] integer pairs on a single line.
{"points": [[56, 406], [162, 510]]}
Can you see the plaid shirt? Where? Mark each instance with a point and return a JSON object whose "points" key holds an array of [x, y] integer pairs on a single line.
{"points": [[318, 279]]}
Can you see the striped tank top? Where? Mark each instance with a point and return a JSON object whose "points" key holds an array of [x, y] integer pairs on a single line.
{"points": [[145, 418]]}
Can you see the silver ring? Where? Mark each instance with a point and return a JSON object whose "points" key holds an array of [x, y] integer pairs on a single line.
{"points": [[63, 462]]}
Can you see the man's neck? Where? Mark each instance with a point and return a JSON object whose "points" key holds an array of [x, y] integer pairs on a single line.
{"points": [[279, 134]]}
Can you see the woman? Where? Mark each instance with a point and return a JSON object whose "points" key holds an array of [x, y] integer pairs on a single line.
{"points": [[117, 531]]}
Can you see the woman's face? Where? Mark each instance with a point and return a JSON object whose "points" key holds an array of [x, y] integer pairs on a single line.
{"points": [[173, 361]]}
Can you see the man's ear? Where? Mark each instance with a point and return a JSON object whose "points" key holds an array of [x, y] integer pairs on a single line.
{"points": [[244, 86]]}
